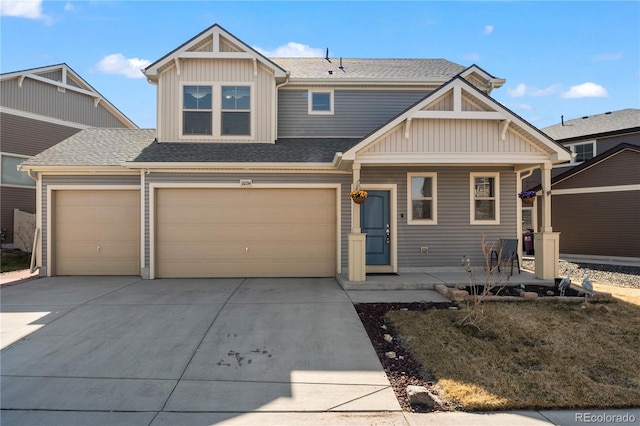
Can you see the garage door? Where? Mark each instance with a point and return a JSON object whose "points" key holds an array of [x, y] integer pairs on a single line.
{"points": [[245, 232], [96, 232]]}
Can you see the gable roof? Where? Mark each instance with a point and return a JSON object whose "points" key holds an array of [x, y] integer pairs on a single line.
{"points": [[499, 112], [213, 32], [418, 70], [607, 124], [68, 80]]}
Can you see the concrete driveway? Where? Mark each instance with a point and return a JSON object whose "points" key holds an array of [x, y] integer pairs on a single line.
{"points": [[121, 350]]}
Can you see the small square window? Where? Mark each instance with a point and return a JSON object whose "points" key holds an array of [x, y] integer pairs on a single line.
{"points": [[422, 201], [321, 102]]}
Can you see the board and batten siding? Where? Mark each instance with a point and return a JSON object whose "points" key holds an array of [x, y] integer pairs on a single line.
{"points": [[450, 136], [44, 99], [42, 135], [344, 179], [76, 180], [208, 71], [453, 235], [356, 112]]}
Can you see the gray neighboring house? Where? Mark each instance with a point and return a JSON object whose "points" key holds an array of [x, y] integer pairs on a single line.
{"points": [[40, 107], [250, 171]]}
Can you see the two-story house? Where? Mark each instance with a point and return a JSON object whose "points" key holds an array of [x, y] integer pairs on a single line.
{"points": [[40, 107], [596, 193], [250, 170]]}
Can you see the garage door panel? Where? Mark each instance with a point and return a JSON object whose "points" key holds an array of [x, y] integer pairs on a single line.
{"points": [[85, 220], [206, 232]]}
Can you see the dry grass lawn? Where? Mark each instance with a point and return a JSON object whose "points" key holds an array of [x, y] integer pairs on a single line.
{"points": [[535, 355]]}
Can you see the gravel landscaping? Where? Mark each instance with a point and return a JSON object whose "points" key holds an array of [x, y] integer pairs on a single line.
{"points": [[623, 276]]}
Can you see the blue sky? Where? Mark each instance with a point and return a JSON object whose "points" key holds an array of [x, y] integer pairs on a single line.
{"points": [[571, 58]]}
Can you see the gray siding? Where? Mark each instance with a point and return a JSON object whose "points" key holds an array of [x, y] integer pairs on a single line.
{"points": [[453, 236], [258, 178], [75, 180], [44, 99], [14, 198], [619, 169], [605, 144], [589, 226], [26, 136], [356, 112]]}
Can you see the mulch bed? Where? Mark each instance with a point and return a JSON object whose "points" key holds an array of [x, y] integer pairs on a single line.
{"points": [[404, 369]]}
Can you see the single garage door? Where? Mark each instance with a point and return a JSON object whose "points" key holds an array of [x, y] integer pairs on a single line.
{"points": [[204, 232], [96, 232]]}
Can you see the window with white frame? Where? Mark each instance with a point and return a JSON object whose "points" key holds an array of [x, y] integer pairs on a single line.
{"points": [[320, 102], [582, 152], [235, 116], [197, 110], [9, 171], [485, 198], [422, 191]]}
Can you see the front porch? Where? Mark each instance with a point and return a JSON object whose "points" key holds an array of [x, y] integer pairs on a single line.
{"points": [[449, 276]]}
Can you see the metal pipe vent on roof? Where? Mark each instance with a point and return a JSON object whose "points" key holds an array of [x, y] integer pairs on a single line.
{"points": [[326, 56]]}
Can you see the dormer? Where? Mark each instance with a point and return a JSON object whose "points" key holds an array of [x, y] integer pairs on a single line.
{"points": [[215, 88]]}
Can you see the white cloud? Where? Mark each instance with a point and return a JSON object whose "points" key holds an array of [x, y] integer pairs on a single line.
{"points": [[488, 29], [524, 90], [30, 9], [610, 56], [118, 64], [69, 7], [586, 90], [292, 50], [523, 107]]}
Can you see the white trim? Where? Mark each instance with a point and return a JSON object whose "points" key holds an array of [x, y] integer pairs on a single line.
{"points": [[236, 167], [472, 198], [44, 118], [393, 210], [216, 112], [311, 92], [215, 55], [596, 189], [159, 185], [460, 115], [62, 187], [451, 158], [434, 199], [571, 146], [143, 209]]}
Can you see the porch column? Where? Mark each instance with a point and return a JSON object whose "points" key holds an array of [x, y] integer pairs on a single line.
{"points": [[357, 240], [546, 242]]}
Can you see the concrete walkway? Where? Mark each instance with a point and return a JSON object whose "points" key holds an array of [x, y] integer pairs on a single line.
{"points": [[123, 351]]}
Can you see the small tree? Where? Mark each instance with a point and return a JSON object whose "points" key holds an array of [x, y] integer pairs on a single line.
{"points": [[492, 278]]}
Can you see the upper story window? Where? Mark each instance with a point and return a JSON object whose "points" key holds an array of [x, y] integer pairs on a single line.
{"points": [[11, 175], [583, 152], [422, 198], [485, 198], [236, 110], [321, 102], [197, 110]]}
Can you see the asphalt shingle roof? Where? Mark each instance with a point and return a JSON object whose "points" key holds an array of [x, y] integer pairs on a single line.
{"points": [[315, 150], [112, 147], [96, 147], [595, 124], [410, 69]]}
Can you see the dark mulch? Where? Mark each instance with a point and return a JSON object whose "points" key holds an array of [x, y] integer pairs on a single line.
{"points": [[404, 369]]}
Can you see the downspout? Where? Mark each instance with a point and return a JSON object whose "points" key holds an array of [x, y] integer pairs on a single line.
{"points": [[36, 235], [275, 106]]}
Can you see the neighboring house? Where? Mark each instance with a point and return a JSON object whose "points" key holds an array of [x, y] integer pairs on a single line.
{"points": [[596, 195], [40, 107], [250, 170]]}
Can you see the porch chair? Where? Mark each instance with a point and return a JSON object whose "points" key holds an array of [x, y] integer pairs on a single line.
{"points": [[508, 252]]}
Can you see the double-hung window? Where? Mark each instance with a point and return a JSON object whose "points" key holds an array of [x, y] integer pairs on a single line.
{"points": [[197, 110], [10, 174], [485, 198], [235, 116], [422, 191]]}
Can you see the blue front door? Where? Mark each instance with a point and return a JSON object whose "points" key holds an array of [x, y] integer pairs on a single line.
{"points": [[375, 222]]}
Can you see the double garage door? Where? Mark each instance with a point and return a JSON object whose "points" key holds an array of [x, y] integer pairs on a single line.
{"points": [[205, 232]]}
